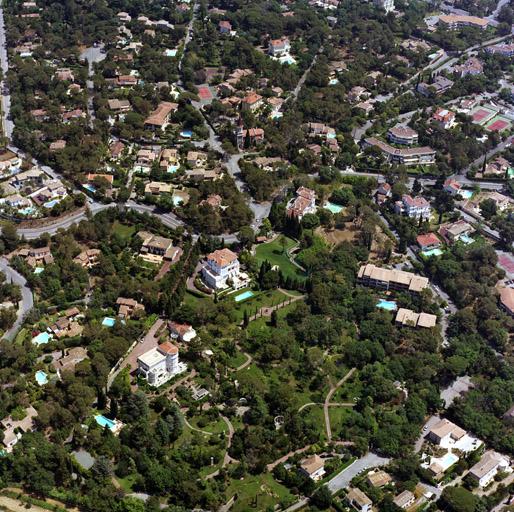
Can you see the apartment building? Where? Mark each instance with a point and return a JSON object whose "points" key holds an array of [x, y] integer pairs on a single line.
{"points": [[455, 21], [402, 134], [391, 279], [406, 156], [160, 364]]}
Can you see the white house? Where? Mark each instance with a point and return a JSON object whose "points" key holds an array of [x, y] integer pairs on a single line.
{"points": [[358, 500], [160, 364], [184, 332], [279, 47], [488, 467], [223, 266], [313, 467], [413, 207]]}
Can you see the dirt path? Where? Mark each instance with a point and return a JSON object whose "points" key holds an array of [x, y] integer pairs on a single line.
{"points": [[326, 405], [248, 361], [273, 465]]}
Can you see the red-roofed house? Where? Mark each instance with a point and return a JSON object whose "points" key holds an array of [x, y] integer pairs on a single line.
{"points": [[279, 47], [413, 207], [428, 241], [225, 27], [221, 269], [252, 102], [184, 332], [507, 300], [453, 187], [444, 118], [303, 203]]}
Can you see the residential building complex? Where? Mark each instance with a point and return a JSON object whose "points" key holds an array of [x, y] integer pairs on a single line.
{"points": [[406, 156], [391, 279], [402, 134], [413, 207]]}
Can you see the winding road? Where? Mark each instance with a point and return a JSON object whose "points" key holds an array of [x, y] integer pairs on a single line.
{"points": [[27, 299]]}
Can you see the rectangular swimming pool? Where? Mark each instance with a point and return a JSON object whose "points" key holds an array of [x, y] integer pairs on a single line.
{"points": [[433, 252], [466, 239], [333, 207], [108, 321], [243, 296], [38, 270], [388, 305]]}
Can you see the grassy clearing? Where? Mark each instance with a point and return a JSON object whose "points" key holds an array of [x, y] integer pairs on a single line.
{"points": [[128, 482], [276, 255], [123, 230], [258, 493], [264, 299], [261, 323]]}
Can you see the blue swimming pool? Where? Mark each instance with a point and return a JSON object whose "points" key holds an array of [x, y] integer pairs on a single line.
{"points": [[177, 200], [333, 207], [90, 187], [171, 53], [466, 239], [105, 422], [41, 378], [108, 321], [42, 338], [388, 305], [466, 194], [51, 204], [29, 210], [38, 270], [173, 168], [433, 252], [333, 81], [187, 134], [243, 296]]}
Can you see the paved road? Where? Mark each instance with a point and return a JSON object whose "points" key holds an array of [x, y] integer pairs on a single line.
{"points": [[27, 300], [343, 479], [456, 389], [426, 428], [7, 124], [92, 55]]}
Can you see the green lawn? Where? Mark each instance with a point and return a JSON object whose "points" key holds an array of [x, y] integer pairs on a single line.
{"points": [[276, 255], [258, 493], [128, 482], [259, 323], [337, 415], [314, 416], [267, 298], [237, 360], [123, 230]]}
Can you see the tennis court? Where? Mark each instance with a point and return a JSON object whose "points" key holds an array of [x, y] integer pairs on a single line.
{"points": [[498, 124], [204, 93], [507, 263], [482, 115]]}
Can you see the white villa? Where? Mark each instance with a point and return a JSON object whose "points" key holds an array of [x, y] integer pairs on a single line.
{"points": [[488, 467], [160, 364], [223, 266]]}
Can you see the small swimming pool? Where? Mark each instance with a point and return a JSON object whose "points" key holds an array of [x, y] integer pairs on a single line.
{"points": [[287, 59], [388, 305], [42, 338], [331, 135], [170, 53], [41, 378], [448, 460], [108, 321], [277, 115], [333, 207], [243, 296], [433, 252], [105, 422], [90, 187], [38, 270], [333, 81], [466, 239], [466, 194], [29, 210], [186, 134], [173, 168], [51, 204], [177, 200]]}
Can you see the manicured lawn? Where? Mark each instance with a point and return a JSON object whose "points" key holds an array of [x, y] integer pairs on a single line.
{"points": [[314, 416], [123, 230], [337, 415], [237, 360], [216, 427], [193, 300], [276, 255], [260, 323], [261, 299], [258, 493]]}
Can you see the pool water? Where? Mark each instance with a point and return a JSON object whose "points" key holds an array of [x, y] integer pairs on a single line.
{"points": [[333, 207], [108, 321], [29, 210], [277, 115], [331, 135], [177, 200], [42, 338], [38, 270], [243, 296], [466, 239], [50, 204], [105, 422], [388, 305], [90, 187], [171, 53], [287, 59], [187, 134], [449, 459], [433, 252], [466, 194], [173, 168], [41, 378], [333, 81]]}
